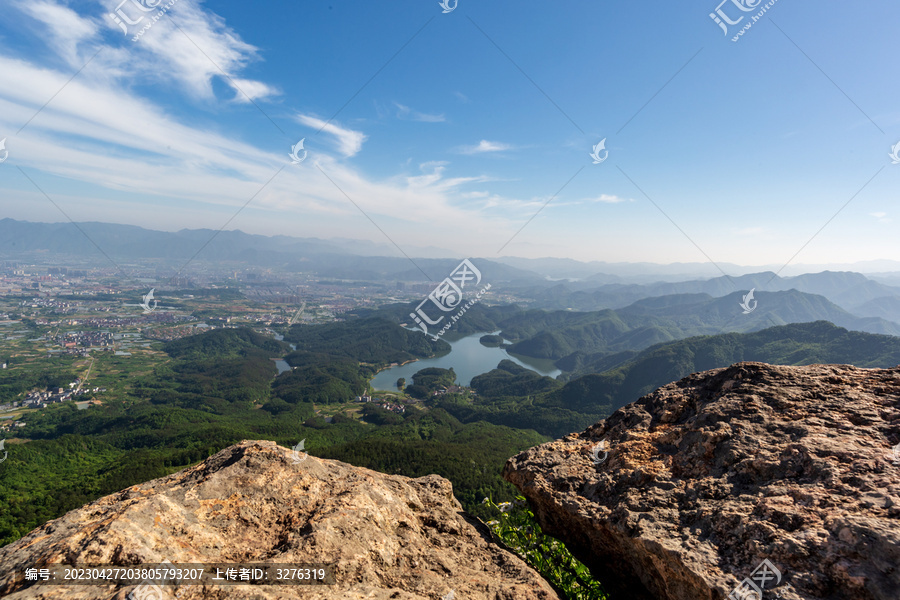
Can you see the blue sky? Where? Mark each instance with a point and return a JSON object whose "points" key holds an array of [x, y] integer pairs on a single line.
{"points": [[454, 130]]}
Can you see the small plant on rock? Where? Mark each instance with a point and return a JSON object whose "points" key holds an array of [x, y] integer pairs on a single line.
{"points": [[518, 529]]}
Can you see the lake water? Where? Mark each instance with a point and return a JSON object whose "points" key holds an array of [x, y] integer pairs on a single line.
{"points": [[280, 364], [468, 358]]}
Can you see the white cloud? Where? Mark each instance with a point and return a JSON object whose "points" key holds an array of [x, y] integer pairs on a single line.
{"points": [[405, 112], [248, 89], [193, 46], [484, 146], [608, 199], [349, 142], [881, 216], [67, 29], [103, 135]]}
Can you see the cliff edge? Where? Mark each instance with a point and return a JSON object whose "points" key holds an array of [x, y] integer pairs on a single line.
{"points": [[753, 481], [386, 537]]}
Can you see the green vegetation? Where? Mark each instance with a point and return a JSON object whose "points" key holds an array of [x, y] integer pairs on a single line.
{"points": [[14, 382], [492, 341], [517, 527], [322, 379], [559, 334], [215, 389], [368, 340], [226, 343], [174, 404], [514, 396], [333, 363], [796, 344], [427, 381]]}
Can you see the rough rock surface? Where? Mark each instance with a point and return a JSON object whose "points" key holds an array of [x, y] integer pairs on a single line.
{"points": [[387, 536], [707, 477]]}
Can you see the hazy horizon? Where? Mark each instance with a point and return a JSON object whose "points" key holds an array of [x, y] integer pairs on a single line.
{"points": [[691, 269]]}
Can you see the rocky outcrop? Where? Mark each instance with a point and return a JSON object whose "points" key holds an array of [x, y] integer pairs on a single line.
{"points": [[256, 502], [698, 483]]}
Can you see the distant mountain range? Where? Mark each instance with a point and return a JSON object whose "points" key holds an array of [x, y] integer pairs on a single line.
{"points": [[599, 285], [666, 318], [599, 272], [575, 338], [336, 259], [853, 292]]}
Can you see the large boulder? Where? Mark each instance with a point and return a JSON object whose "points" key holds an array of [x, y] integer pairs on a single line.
{"points": [[696, 485], [387, 537]]}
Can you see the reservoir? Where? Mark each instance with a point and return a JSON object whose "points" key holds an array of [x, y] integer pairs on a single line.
{"points": [[281, 364], [468, 359]]}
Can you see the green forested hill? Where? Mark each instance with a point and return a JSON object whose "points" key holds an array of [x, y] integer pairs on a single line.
{"points": [[560, 333], [334, 362], [371, 340], [604, 383], [796, 344], [223, 343], [510, 379], [658, 320]]}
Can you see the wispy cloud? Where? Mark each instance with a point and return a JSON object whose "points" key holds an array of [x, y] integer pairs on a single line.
{"points": [[349, 142], [881, 216], [66, 27], [194, 46], [484, 146], [609, 199], [405, 112], [246, 90]]}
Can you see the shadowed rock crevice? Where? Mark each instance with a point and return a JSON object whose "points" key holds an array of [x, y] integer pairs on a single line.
{"points": [[709, 476]]}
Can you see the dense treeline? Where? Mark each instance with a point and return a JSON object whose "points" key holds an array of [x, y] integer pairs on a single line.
{"points": [[316, 378], [510, 379], [15, 382], [221, 343], [470, 456], [514, 396], [427, 381], [369, 340], [333, 363]]}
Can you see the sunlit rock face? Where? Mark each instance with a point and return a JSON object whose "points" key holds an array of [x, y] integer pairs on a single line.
{"points": [[699, 483], [386, 536]]}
